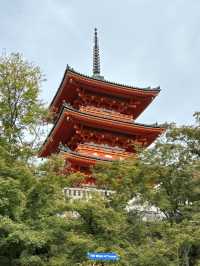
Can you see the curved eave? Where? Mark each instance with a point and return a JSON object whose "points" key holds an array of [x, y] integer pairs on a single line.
{"points": [[67, 90], [94, 119], [81, 159], [68, 116]]}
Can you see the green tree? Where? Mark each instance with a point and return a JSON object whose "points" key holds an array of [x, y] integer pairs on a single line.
{"points": [[31, 230], [166, 176], [21, 111], [39, 227]]}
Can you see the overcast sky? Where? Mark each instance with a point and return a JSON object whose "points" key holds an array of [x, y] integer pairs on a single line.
{"points": [[142, 43]]}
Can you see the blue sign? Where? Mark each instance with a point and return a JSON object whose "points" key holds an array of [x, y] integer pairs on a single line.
{"points": [[102, 256]]}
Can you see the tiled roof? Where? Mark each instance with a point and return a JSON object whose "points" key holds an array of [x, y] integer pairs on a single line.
{"points": [[70, 69], [68, 150], [110, 82], [67, 106]]}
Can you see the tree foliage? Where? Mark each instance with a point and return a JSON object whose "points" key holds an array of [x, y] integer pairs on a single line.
{"points": [[39, 227], [21, 111]]}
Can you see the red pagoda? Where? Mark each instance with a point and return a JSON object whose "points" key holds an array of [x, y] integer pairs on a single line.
{"points": [[94, 119]]}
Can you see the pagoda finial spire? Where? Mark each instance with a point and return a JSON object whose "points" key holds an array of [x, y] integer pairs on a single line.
{"points": [[96, 57]]}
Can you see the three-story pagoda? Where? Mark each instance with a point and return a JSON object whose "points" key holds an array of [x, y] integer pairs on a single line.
{"points": [[94, 119]]}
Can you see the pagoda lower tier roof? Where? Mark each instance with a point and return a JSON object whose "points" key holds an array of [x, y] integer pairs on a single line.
{"points": [[73, 81], [69, 118], [81, 159]]}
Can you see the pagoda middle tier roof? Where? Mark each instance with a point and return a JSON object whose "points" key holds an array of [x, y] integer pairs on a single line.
{"points": [[69, 117], [73, 80]]}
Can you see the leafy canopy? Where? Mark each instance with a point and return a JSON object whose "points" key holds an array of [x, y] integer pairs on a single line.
{"points": [[39, 227], [21, 111]]}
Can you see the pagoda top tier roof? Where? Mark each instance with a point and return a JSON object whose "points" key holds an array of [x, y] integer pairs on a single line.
{"points": [[73, 80], [102, 79]]}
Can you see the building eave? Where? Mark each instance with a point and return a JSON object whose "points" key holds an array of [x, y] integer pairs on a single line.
{"points": [[70, 71], [117, 125], [80, 157]]}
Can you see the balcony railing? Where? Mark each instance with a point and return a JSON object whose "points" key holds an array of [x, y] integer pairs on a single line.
{"points": [[79, 192]]}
